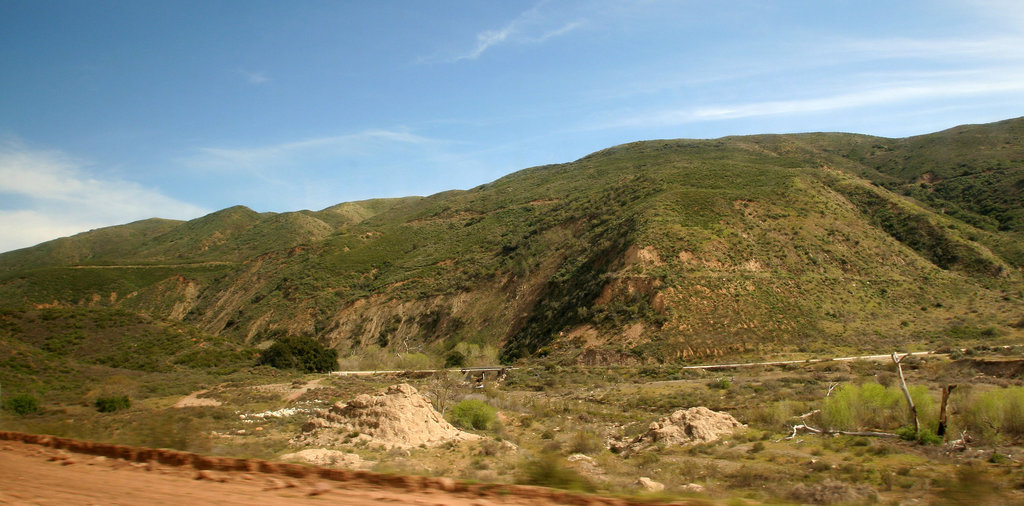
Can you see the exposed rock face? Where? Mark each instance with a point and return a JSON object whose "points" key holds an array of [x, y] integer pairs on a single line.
{"points": [[400, 417], [682, 427]]}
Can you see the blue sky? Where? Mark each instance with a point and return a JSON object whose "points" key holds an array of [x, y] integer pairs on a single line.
{"points": [[112, 112]]}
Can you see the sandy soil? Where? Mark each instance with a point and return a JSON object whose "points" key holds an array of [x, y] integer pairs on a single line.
{"points": [[193, 400], [34, 474]]}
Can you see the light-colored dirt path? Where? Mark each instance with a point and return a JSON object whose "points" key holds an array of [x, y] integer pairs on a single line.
{"points": [[193, 400], [152, 266], [31, 474], [703, 366], [37, 469], [298, 392]]}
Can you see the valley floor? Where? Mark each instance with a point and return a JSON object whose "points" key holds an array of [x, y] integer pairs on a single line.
{"points": [[558, 427]]}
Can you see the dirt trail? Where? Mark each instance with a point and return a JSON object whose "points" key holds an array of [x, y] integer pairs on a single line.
{"points": [[47, 470], [298, 392], [193, 400], [153, 266], [806, 361]]}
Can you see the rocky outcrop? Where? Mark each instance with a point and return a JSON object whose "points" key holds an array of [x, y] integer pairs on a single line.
{"points": [[400, 417], [683, 427]]}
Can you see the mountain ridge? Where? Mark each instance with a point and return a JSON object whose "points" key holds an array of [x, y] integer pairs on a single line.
{"points": [[651, 251]]}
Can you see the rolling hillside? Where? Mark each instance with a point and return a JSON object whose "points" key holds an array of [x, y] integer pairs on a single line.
{"points": [[657, 251]]}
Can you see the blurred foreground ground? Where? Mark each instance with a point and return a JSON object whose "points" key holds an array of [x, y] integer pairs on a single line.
{"points": [[31, 474]]}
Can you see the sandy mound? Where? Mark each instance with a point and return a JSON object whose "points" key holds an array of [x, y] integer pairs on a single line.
{"points": [[398, 418], [683, 427], [328, 458]]}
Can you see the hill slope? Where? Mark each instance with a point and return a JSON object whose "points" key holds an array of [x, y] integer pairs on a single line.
{"points": [[652, 251]]}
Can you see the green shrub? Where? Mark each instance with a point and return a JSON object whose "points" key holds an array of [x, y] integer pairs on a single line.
{"points": [[772, 415], [454, 359], [721, 384], [924, 403], [550, 470], [113, 403], [584, 441], [868, 406], [926, 437], [22, 404], [299, 352], [472, 413], [994, 414], [414, 362]]}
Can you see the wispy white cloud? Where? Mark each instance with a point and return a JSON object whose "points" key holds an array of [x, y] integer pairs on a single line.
{"points": [[562, 30], [254, 77], [486, 39], [530, 27], [280, 154], [998, 48], [56, 196], [979, 54], [930, 87]]}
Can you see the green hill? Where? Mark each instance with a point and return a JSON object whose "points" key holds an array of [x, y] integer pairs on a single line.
{"points": [[658, 251]]}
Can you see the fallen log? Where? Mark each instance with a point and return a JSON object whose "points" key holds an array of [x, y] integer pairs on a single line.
{"points": [[869, 433]]}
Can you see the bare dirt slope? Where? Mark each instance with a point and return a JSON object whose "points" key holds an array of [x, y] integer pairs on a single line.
{"points": [[399, 417], [42, 474]]}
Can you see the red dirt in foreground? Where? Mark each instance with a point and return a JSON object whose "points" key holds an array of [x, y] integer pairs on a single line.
{"points": [[39, 469]]}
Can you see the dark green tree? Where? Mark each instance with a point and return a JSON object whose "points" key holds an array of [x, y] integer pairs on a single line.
{"points": [[113, 403], [299, 352], [22, 404], [454, 359]]}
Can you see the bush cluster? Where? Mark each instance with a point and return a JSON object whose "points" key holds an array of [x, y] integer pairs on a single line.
{"points": [[873, 406], [472, 413], [113, 403], [22, 404], [299, 352], [994, 414], [549, 470], [454, 359]]}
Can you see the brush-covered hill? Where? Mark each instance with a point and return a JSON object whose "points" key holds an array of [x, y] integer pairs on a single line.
{"points": [[657, 251]]}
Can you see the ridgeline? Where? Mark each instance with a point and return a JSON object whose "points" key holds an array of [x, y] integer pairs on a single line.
{"points": [[667, 251]]}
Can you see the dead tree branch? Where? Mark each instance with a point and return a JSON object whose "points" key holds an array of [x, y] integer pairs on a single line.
{"points": [[903, 385], [808, 428]]}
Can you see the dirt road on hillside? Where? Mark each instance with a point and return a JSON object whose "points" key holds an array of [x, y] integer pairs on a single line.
{"points": [[704, 366]]}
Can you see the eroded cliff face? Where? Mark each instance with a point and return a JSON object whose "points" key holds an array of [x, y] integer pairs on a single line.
{"points": [[249, 302]]}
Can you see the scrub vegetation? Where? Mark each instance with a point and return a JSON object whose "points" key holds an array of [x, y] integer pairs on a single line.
{"points": [[600, 280]]}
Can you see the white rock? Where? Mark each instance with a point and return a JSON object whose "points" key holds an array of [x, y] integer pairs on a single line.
{"points": [[649, 484]]}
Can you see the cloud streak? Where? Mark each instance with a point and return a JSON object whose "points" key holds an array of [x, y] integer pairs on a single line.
{"points": [[940, 86], [56, 197], [999, 48], [261, 157], [530, 27], [254, 77]]}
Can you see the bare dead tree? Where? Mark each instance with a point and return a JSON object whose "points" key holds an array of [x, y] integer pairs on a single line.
{"points": [[903, 385], [444, 388], [942, 409]]}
